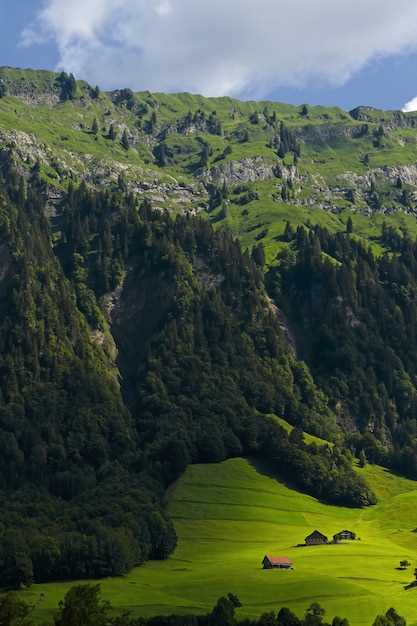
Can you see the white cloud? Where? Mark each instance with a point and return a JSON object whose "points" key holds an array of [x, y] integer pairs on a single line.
{"points": [[410, 106], [224, 46]]}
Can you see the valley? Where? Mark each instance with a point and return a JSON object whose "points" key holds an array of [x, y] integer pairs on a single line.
{"points": [[229, 515]]}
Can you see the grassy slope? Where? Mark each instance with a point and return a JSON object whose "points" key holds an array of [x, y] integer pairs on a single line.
{"points": [[229, 515], [64, 129], [307, 437]]}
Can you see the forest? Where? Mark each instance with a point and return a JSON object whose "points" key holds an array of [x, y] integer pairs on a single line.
{"points": [[134, 343], [354, 316]]}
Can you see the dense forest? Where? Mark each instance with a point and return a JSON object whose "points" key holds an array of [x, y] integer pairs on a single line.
{"points": [[354, 316], [84, 605], [134, 343]]}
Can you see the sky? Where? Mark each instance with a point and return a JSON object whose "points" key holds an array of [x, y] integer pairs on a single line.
{"points": [[332, 52]]}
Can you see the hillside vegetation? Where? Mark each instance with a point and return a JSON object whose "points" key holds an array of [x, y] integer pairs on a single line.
{"points": [[134, 344], [228, 516], [254, 164], [175, 269]]}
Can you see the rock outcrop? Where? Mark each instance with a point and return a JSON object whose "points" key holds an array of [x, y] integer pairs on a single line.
{"points": [[247, 170]]}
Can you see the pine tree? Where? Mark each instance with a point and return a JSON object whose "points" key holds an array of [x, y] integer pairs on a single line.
{"points": [[350, 195], [161, 154], [281, 151], [125, 140], [68, 86], [362, 458], [244, 135], [112, 132], [204, 155], [349, 226], [288, 232], [72, 87], [258, 255], [285, 195]]}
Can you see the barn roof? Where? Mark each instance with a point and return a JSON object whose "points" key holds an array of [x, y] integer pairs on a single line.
{"points": [[316, 533], [279, 560]]}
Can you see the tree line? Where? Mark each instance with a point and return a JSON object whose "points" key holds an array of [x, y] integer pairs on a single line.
{"points": [[83, 604]]}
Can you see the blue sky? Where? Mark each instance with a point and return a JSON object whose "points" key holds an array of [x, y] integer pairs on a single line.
{"points": [[14, 16], [109, 42]]}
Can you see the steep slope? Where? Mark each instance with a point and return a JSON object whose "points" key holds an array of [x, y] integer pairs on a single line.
{"points": [[132, 344], [186, 152], [355, 319], [67, 438]]}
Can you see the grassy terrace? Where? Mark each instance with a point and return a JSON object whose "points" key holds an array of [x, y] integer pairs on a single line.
{"points": [[229, 515]]}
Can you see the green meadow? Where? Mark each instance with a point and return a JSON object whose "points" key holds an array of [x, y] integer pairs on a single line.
{"points": [[230, 514]]}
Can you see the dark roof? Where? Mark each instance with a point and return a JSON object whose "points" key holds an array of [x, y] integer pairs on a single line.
{"points": [[316, 533], [278, 560], [347, 532]]}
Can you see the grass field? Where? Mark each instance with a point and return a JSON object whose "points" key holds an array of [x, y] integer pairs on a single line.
{"points": [[229, 515]]}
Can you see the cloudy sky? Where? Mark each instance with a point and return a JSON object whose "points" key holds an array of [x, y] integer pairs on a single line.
{"points": [[318, 51]]}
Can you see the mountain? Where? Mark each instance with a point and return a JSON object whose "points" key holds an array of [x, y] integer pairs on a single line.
{"points": [[174, 269]]}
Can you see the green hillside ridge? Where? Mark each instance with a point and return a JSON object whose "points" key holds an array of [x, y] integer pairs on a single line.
{"points": [[228, 516], [336, 148]]}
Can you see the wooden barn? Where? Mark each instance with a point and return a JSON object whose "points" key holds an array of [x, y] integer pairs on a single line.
{"points": [[344, 535], [316, 539], [276, 562]]}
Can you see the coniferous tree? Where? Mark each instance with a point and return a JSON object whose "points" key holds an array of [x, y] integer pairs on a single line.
{"points": [[288, 232], [362, 459], [68, 86], [161, 154], [112, 132], [95, 92], [258, 255], [204, 155], [125, 140], [349, 226]]}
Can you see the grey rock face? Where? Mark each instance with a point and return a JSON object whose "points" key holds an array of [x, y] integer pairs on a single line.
{"points": [[247, 170]]}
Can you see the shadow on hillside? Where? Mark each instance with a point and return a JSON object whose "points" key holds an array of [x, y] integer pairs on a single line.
{"points": [[411, 585], [262, 466], [265, 468]]}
